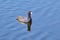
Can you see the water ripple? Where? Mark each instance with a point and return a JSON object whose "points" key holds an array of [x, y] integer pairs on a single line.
{"points": [[46, 19]]}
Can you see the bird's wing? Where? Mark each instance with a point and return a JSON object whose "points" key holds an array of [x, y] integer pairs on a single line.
{"points": [[22, 19]]}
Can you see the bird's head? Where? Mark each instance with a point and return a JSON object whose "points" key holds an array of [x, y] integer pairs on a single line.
{"points": [[30, 13]]}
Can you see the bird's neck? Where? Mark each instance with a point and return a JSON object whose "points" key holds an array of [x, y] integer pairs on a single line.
{"points": [[29, 16]]}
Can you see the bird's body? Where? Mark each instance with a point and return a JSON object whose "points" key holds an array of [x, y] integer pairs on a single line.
{"points": [[26, 20], [22, 19]]}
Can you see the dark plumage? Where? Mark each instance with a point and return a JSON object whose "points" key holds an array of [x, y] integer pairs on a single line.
{"points": [[26, 20], [30, 21]]}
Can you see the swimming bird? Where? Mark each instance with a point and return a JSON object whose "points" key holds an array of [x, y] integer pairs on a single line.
{"points": [[26, 20]]}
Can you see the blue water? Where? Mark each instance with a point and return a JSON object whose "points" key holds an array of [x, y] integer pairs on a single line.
{"points": [[46, 19]]}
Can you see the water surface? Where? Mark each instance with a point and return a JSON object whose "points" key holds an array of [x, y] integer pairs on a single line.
{"points": [[46, 19]]}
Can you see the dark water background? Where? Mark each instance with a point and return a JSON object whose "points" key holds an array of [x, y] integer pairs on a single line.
{"points": [[46, 19]]}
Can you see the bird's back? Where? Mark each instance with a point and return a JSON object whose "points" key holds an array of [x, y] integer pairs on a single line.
{"points": [[22, 19]]}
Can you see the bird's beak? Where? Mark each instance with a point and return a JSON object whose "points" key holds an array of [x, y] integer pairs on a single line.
{"points": [[31, 12]]}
